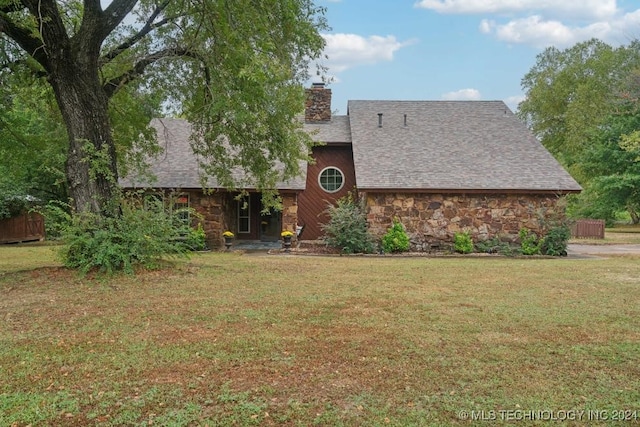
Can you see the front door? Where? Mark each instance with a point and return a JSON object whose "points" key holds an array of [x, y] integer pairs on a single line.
{"points": [[270, 226], [253, 224]]}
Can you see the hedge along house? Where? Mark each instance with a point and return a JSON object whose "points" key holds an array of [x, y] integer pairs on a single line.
{"points": [[440, 167]]}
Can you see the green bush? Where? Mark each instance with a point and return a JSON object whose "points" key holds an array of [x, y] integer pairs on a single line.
{"points": [[494, 246], [138, 237], [196, 239], [529, 242], [463, 243], [57, 216], [347, 226], [556, 240], [396, 239]]}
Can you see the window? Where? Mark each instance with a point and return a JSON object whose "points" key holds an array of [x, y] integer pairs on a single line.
{"points": [[243, 215], [175, 205], [181, 208], [331, 179]]}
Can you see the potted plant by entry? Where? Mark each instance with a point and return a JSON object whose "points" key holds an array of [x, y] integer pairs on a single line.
{"points": [[286, 240], [228, 239]]}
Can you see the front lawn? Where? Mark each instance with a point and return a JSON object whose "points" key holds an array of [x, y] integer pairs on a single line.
{"points": [[228, 339]]}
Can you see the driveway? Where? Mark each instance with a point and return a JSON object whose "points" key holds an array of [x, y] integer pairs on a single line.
{"points": [[578, 249]]}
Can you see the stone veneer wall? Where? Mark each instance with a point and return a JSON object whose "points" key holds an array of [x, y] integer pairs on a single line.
{"points": [[433, 219], [213, 208], [317, 104], [217, 210], [290, 212]]}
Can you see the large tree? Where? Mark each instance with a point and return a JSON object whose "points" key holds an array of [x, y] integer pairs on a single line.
{"points": [[570, 93], [582, 102], [233, 67]]}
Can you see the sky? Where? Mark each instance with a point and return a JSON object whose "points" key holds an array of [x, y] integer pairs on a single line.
{"points": [[457, 49]]}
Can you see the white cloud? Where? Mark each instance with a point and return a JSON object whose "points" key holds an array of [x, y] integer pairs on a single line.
{"points": [[535, 30], [346, 51], [463, 95], [543, 23], [593, 9]]}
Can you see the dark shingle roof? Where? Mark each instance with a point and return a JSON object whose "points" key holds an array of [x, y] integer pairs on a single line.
{"points": [[449, 145], [177, 166], [335, 131]]}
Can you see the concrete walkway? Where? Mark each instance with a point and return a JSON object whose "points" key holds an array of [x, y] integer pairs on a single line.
{"points": [[599, 250]]}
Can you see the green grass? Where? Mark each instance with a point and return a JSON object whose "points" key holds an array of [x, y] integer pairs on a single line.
{"points": [[228, 339], [621, 235]]}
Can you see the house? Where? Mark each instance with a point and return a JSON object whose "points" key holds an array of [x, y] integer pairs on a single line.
{"points": [[440, 167]]}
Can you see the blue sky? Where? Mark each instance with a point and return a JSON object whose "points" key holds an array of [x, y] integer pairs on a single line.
{"points": [[457, 49]]}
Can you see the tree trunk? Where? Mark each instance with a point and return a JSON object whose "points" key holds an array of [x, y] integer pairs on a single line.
{"points": [[91, 164]]}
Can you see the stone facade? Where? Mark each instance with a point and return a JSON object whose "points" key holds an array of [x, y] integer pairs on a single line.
{"points": [[290, 212], [213, 209], [433, 219], [317, 104], [217, 211]]}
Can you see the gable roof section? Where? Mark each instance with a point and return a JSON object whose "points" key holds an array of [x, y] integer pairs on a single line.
{"points": [[178, 167], [335, 131], [450, 145]]}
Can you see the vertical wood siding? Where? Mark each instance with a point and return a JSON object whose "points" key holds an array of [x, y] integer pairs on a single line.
{"points": [[313, 201], [23, 228]]}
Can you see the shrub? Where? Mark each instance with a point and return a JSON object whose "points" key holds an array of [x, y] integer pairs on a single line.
{"points": [[463, 243], [396, 239], [138, 237], [196, 238], [529, 242], [494, 246], [57, 216], [556, 240], [347, 226]]}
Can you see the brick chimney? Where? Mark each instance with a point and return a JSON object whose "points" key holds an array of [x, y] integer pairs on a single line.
{"points": [[318, 104]]}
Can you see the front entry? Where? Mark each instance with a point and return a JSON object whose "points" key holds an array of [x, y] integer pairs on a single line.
{"points": [[253, 224], [270, 226]]}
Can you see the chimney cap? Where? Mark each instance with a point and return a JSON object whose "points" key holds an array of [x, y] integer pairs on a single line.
{"points": [[318, 85]]}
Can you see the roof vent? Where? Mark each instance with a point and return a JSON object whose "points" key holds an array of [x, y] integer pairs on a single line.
{"points": [[405, 120], [379, 120]]}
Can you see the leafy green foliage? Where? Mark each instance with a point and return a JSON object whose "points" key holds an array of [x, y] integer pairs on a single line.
{"points": [[57, 218], [396, 239], [582, 104], [196, 238], [530, 244], [615, 182], [570, 93], [463, 243], [141, 236], [494, 246], [347, 227], [12, 200], [556, 240], [32, 144], [234, 69]]}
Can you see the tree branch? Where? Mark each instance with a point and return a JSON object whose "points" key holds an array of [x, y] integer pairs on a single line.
{"points": [[146, 29], [24, 38], [114, 14], [113, 85]]}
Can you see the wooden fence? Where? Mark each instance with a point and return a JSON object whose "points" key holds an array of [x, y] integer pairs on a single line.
{"points": [[23, 228], [588, 229]]}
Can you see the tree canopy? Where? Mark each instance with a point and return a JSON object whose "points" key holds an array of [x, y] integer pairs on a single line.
{"points": [[234, 68], [582, 103]]}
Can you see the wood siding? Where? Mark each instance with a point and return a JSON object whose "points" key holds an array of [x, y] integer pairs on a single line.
{"points": [[23, 228], [313, 201]]}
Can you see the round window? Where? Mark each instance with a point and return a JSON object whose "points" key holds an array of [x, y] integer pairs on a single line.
{"points": [[331, 179]]}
